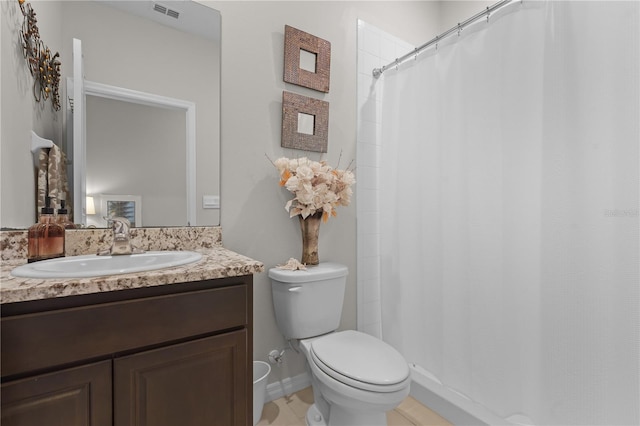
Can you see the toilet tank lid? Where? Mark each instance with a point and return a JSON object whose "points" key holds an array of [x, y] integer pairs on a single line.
{"points": [[322, 271]]}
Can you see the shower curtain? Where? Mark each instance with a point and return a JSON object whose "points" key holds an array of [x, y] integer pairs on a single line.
{"points": [[509, 200]]}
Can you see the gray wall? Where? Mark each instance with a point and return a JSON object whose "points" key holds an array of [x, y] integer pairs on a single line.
{"points": [[18, 107], [123, 136], [254, 221]]}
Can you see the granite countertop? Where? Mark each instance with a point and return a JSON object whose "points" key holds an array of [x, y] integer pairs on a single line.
{"points": [[216, 262]]}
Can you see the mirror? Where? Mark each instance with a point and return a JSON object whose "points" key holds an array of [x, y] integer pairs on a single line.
{"points": [[144, 123], [166, 48], [165, 199], [157, 49]]}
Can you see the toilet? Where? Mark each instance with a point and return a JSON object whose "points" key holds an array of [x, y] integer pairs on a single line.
{"points": [[356, 378]]}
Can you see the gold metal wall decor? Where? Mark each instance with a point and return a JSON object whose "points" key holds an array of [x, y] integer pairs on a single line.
{"points": [[296, 41], [297, 107], [43, 65]]}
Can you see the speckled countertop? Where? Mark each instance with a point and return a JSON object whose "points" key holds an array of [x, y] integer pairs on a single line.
{"points": [[216, 262]]}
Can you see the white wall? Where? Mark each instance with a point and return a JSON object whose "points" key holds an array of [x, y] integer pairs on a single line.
{"points": [[376, 49], [452, 12]]}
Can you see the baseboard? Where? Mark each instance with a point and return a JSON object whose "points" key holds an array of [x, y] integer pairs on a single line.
{"points": [[287, 386]]}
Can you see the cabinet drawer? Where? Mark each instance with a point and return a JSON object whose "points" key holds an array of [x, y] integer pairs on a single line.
{"points": [[35, 341]]}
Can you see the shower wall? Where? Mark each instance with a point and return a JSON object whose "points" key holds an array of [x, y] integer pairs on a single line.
{"points": [[375, 49]]}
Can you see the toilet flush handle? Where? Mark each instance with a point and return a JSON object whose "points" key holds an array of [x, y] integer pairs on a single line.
{"points": [[297, 288]]}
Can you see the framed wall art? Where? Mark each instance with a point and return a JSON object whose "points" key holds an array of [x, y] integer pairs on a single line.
{"points": [[305, 122], [127, 206], [307, 59]]}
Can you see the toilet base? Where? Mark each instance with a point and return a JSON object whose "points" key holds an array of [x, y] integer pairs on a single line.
{"points": [[314, 418]]}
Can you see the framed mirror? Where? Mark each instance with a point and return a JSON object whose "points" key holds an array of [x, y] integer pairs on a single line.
{"points": [[170, 49], [158, 50]]}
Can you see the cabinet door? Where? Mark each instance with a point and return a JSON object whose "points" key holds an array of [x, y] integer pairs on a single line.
{"points": [[202, 382], [72, 397]]}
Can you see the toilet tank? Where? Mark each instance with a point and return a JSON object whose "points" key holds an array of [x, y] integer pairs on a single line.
{"points": [[308, 302]]}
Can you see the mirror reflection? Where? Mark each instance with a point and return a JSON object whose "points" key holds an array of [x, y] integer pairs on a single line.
{"points": [[306, 123], [140, 131], [168, 49]]}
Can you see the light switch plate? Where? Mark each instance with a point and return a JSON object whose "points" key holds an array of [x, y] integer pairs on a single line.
{"points": [[210, 201]]}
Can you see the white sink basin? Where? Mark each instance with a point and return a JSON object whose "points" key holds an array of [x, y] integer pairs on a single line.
{"points": [[97, 266]]}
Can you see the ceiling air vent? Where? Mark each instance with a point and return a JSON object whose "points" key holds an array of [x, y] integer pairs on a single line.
{"points": [[166, 11], [173, 13]]}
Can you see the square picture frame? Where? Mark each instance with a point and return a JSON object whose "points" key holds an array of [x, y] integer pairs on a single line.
{"points": [[305, 122], [127, 206], [297, 43]]}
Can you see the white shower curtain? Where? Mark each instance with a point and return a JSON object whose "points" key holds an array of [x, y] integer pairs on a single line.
{"points": [[509, 197]]}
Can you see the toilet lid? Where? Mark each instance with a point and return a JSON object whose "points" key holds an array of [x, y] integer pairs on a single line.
{"points": [[360, 360]]}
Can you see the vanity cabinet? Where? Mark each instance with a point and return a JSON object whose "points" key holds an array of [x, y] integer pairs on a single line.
{"points": [[177, 354], [70, 397]]}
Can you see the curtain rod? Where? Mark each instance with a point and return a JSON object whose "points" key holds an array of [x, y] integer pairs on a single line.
{"points": [[377, 72]]}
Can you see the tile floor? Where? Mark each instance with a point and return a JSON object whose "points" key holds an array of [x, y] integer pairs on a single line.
{"points": [[290, 411]]}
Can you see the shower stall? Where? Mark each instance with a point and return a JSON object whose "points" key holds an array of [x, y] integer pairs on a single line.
{"points": [[498, 214]]}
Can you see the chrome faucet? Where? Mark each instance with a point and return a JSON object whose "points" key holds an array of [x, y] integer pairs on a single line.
{"points": [[121, 239]]}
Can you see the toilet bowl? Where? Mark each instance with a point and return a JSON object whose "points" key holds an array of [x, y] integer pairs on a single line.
{"points": [[360, 378], [356, 378]]}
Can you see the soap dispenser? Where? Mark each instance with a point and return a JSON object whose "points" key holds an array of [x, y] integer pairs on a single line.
{"points": [[46, 238], [63, 216]]}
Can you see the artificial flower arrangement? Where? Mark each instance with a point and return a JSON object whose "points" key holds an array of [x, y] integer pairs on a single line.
{"points": [[317, 187]]}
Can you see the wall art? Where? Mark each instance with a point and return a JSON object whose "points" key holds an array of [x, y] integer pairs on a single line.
{"points": [[307, 59], [43, 64], [305, 122]]}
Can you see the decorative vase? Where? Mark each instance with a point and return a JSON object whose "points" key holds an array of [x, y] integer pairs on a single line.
{"points": [[310, 228]]}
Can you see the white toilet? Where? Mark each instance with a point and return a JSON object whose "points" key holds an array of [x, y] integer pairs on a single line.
{"points": [[356, 378]]}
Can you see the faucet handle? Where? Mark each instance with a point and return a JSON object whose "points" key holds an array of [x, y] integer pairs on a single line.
{"points": [[121, 242], [120, 225]]}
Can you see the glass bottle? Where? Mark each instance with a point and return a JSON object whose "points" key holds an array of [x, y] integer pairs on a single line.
{"points": [[63, 217], [46, 238]]}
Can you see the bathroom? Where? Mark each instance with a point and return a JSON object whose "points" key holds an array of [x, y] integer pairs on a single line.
{"points": [[252, 217]]}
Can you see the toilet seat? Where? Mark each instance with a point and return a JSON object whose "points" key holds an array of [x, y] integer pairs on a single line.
{"points": [[361, 361]]}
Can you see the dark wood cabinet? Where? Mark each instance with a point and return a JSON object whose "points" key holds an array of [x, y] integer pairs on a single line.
{"points": [[176, 354], [157, 388], [71, 397]]}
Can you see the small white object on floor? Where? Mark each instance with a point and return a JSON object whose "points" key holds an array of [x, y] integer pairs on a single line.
{"points": [[292, 265]]}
